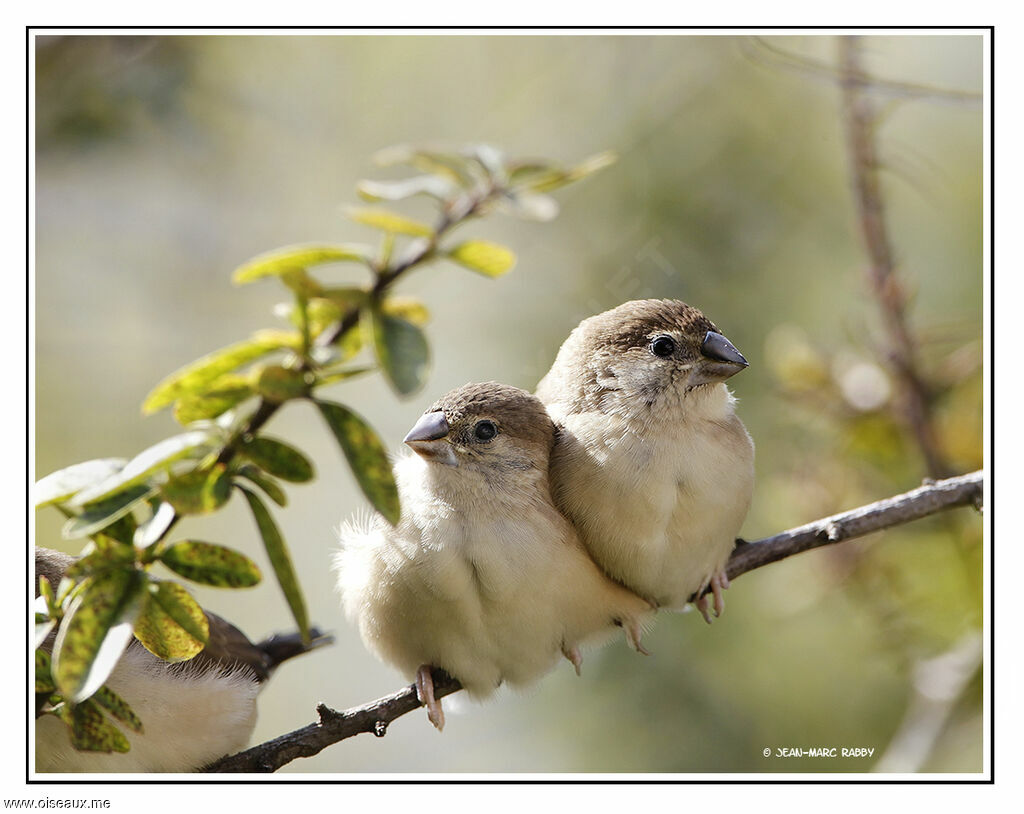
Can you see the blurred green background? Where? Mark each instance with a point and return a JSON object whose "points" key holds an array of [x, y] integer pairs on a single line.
{"points": [[163, 163]]}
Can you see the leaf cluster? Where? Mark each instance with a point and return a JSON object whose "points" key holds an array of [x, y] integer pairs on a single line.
{"points": [[125, 510]]}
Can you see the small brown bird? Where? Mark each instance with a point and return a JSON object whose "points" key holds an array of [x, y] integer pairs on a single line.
{"points": [[652, 465], [482, 577], [193, 712]]}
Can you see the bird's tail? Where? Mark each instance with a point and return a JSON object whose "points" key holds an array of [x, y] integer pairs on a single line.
{"points": [[283, 646]]}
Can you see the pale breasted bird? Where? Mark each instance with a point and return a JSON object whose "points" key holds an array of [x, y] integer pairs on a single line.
{"points": [[652, 465], [192, 712], [482, 577]]}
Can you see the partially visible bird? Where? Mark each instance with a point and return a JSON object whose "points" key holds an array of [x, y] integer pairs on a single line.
{"points": [[482, 577], [192, 712], [652, 465]]}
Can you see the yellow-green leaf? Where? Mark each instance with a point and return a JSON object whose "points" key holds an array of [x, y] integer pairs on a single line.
{"points": [[433, 185], [450, 166], [44, 676], [198, 492], [407, 308], [95, 632], [551, 178], [334, 375], [265, 482], [102, 514], [157, 457], [99, 559], [388, 221], [366, 456], [228, 391], [65, 483], [278, 458], [117, 706], [43, 626], [155, 527], [279, 384], [211, 564], [292, 258], [484, 257], [171, 625], [280, 560], [401, 349], [92, 731], [200, 376]]}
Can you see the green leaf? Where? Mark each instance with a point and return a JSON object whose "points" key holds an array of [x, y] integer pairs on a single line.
{"points": [[100, 559], [484, 257], [171, 625], [44, 676], [65, 483], [146, 463], [211, 564], [433, 185], [292, 258], [117, 706], [101, 514], [95, 632], [334, 375], [281, 561], [279, 384], [42, 630], [550, 178], [46, 593], [278, 458], [388, 221], [401, 349], [265, 482], [228, 391], [198, 492], [154, 529], [447, 165], [92, 731], [366, 456], [200, 376], [407, 308]]}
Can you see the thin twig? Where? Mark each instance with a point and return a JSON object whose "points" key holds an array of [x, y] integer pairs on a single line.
{"points": [[450, 218], [885, 284], [374, 717], [759, 49]]}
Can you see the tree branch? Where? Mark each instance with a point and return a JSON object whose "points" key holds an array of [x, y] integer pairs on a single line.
{"points": [[374, 717], [860, 119]]}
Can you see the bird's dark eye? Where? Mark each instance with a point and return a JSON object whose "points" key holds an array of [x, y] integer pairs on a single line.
{"points": [[485, 430], [663, 346]]}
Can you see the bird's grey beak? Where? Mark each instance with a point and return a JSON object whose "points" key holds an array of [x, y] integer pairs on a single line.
{"points": [[721, 360], [716, 346], [428, 438]]}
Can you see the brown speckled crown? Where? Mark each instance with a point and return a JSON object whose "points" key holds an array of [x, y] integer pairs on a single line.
{"points": [[632, 324], [515, 412]]}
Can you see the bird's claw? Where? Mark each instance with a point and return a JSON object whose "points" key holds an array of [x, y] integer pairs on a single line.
{"points": [[573, 654], [719, 582], [633, 633], [425, 694]]}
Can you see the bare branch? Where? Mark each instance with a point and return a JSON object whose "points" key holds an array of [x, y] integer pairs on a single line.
{"points": [[374, 717], [861, 125], [933, 497], [762, 51]]}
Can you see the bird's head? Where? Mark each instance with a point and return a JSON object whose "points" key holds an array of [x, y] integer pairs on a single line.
{"points": [[491, 429], [643, 354]]}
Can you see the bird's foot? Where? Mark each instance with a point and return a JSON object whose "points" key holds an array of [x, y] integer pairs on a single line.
{"points": [[633, 632], [425, 694], [573, 654], [719, 581]]}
